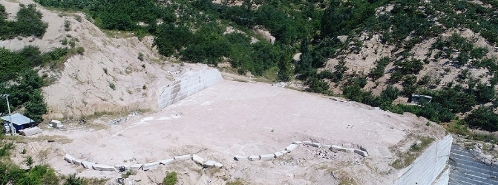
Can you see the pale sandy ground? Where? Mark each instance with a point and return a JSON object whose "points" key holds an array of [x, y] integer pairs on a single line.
{"points": [[237, 118]]}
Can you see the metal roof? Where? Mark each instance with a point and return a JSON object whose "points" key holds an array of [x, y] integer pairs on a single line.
{"points": [[18, 119]]}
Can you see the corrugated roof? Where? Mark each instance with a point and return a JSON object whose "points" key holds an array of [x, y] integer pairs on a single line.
{"points": [[18, 119]]}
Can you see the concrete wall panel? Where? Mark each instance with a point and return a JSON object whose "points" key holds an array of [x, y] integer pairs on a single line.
{"points": [[428, 166], [188, 85]]}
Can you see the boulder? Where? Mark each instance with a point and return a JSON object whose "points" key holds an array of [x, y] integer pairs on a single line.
{"points": [[278, 154], [208, 164], [182, 157], [136, 166], [218, 165], [166, 161], [69, 158], [254, 157], [77, 161], [291, 147], [101, 167], [361, 152], [148, 166], [121, 168], [240, 158], [30, 131], [57, 124], [197, 159], [267, 157], [297, 142], [87, 165], [337, 148]]}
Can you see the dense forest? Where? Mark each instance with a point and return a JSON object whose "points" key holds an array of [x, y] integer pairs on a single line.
{"points": [[196, 31]]}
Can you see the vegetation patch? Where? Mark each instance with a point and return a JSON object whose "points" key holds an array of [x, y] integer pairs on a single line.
{"points": [[28, 23], [170, 178], [415, 150]]}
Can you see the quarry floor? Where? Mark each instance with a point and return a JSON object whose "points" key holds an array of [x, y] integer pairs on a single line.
{"points": [[240, 118]]}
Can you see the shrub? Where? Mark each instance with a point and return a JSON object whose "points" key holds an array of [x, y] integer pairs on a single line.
{"points": [[80, 50], [29, 161], [112, 86], [73, 180], [379, 69], [67, 25], [140, 56], [170, 178], [412, 66]]}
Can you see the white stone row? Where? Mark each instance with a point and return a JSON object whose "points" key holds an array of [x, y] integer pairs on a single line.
{"points": [[144, 167], [362, 151]]}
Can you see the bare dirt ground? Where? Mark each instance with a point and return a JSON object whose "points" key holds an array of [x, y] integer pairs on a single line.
{"points": [[237, 118]]}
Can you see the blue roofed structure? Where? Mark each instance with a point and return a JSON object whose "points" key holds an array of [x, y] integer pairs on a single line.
{"points": [[19, 121]]}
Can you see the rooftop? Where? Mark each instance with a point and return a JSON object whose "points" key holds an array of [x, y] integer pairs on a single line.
{"points": [[18, 119]]}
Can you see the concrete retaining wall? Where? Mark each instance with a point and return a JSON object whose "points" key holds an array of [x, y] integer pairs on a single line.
{"points": [[428, 166], [189, 84]]}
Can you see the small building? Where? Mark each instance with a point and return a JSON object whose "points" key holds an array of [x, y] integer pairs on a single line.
{"points": [[19, 121], [417, 98]]}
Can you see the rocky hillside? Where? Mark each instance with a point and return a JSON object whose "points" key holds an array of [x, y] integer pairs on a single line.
{"points": [[111, 71]]}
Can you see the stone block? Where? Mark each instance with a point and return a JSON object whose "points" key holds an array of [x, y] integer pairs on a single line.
{"points": [[209, 164], [254, 157], [69, 158], [101, 167], [218, 165], [336, 148], [267, 157], [326, 146], [291, 147], [197, 159], [77, 161], [278, 154], [284, 151], [349, 150], [136, 166], [362, 153], [297, 142], [149, 166], [182, 157], [307, 142], [87, 165], [318, 145], [240, 158], [166, 161], [121, 168]]}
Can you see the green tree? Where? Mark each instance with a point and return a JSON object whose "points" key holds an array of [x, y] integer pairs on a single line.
{"points": [[305, 63], [73, 180], [483, 117], [340, 69]]}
